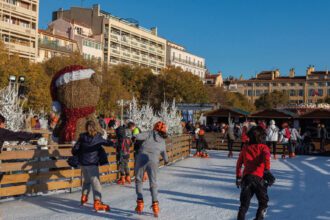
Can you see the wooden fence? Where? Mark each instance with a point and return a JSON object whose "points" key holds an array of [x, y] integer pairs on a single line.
{"points": [[216, 142], [30, 170]]}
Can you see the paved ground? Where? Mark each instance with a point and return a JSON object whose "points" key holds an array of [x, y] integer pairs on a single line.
{"points": [[198, 189]]}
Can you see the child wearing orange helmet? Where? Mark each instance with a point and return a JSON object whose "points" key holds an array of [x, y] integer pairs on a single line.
{"points": [[201, 145], [147, 160]]}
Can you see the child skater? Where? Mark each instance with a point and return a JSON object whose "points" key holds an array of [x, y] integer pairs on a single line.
{"points": [[256, 175], [148, 160], [90, 155], [202, 144]]}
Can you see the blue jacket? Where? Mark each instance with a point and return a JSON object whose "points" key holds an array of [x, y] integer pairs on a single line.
{"points": [[90, 151]]}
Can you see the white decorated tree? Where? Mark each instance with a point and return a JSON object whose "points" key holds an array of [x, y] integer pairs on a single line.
{"points": [[11, 107], [145, 117]]}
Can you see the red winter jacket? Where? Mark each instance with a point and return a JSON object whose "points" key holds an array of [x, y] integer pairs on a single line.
{"points": [[244, 136], [256, 158]]}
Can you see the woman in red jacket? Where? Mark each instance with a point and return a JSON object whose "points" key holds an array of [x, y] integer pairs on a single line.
{"points": [[256, 176]]}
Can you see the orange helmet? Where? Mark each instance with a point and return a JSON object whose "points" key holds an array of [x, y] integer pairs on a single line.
{"points": [[201, 132], [160, 127]]}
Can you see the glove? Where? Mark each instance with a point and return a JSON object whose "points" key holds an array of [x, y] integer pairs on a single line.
{"points": [[38, 136], [238, 181], [268, 178]]}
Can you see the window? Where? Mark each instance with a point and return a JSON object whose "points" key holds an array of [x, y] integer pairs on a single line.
{"points": [[301, 92], [320, 92], [312, 92], [258, 92], [250, 92], [257, 84], [328, 83], [292, 92], [274, 84], [173, 55], [301, 84], [321, 84], [328, 92], [249, 84], [265, 91], [292, 84], [266, 84], [14, 2], [283, 84]]}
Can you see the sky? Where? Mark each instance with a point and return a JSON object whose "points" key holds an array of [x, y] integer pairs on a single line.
{"points": [[236, 37]]}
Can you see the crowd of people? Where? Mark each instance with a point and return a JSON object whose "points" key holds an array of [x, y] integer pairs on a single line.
{"points": [[286, 134]]}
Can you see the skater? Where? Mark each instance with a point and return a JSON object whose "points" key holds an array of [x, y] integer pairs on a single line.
{"points": [[322, 135], [256, 174], [202, 144], [230, 137], [272, 136], [285, 136], [294, 140], [124, 143], [148, 160], [137, 143], [90, 155], [197, 129]]}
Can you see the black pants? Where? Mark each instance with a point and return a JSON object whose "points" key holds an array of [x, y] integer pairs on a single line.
{"points": [[253, 185], [271, 144], [230, 145], [322, 144]]}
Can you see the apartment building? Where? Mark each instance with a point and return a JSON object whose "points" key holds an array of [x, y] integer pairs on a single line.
{"points": [[51, 45], [179, 57], [18, 27], [123, 40], [89, 43], [311, 88]]}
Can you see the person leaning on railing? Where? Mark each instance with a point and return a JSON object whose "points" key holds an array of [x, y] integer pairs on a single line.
{"points": [[8, 135]]}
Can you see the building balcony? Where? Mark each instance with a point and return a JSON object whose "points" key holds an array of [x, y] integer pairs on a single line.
{"points": [[20, 48], [114, 37], [17, 29], [53, 45], [136, 57], [125, 54], [160, 51], [115, 52], [18, 9]]}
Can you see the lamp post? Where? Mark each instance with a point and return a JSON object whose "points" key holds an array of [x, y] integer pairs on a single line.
{"points": [[121, 103]]}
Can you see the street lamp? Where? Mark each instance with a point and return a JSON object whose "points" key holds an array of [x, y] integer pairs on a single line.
{"points": [[12, 78], [21, 79]]}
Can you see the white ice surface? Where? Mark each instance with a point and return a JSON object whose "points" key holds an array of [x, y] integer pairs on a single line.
{"points": [[197, 189]]}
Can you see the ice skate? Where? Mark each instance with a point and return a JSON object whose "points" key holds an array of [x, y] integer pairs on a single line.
{"points": [[197, 154], [121, 181], [139, 206], [83, 200], [155, 208], [283, 156], [230, 154], [100, 207], [145, 177], [128, 180], [205, 155]]}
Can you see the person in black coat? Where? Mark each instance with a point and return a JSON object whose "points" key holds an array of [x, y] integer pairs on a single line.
{"points": [[91, 154], [8, 135]]}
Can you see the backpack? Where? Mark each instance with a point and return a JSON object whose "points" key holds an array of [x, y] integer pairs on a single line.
{"points": [[124, 146], [287, 133]]}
